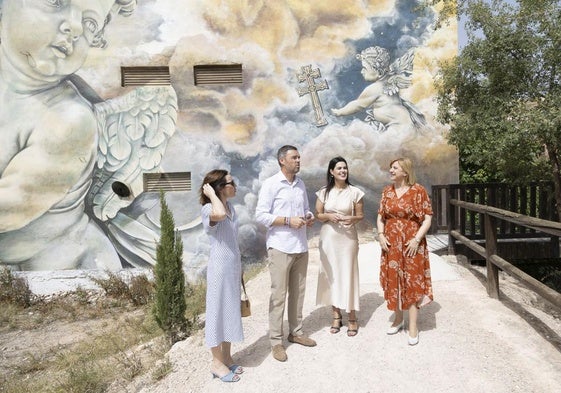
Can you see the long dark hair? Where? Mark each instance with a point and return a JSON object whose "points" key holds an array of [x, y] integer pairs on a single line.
{"points": [[216, 178], [330, 183]]}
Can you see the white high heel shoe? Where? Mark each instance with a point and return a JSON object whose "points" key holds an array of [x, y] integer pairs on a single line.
{"points": [[413, 340], [395, 329]]}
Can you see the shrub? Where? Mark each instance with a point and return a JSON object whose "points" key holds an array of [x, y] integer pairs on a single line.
{"points": [[141, 290], [82, 377], [14, 289], [195, 299], [114, 286], [169, 305]]}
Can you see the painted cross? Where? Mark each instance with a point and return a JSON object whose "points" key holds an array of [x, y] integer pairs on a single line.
{"points": [[308, 75]]}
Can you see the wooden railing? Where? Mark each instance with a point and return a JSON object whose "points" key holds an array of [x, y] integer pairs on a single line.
{"points": [[492, 218], [464, 211], [535, 200]]}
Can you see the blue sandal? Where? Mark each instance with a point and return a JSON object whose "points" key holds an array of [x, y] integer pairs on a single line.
{"points": [[230, 377], [236, 369]]}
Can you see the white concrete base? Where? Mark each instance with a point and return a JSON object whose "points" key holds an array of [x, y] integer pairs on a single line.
{"points": [[59, 281]]}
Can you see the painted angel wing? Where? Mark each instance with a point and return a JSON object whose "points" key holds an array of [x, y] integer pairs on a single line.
{"points": [[400, 73], [133, 133]]}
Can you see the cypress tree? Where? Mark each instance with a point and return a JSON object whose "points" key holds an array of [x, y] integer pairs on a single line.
{"points": [[169, 306]]}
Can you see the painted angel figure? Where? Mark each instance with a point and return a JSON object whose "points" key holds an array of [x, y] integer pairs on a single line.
{"points": [[63, 147], [385, 109]]}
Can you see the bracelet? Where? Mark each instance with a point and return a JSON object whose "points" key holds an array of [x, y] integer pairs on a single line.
{"points": [[287, 221]]}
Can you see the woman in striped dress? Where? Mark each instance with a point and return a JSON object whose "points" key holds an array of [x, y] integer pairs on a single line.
{"points": [[223, 323]]}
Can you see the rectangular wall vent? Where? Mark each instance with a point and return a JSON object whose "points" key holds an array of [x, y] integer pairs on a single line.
{"points": [[145, 76], [218, 74], [167, 181]]}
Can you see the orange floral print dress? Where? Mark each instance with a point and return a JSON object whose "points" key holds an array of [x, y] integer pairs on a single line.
{"points": [[406, 281]]}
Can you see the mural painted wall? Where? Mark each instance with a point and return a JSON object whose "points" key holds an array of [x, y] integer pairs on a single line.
{"points": [[346, 77]]}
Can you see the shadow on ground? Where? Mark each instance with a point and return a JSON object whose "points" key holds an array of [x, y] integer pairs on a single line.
{"points": [[538, 325], [255, 353]]}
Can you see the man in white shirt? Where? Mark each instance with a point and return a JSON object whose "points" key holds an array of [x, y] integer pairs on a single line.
{"points": [[284, 209]]}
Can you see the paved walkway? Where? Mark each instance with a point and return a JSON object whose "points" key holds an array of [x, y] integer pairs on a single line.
{"points": [[468, 343]]}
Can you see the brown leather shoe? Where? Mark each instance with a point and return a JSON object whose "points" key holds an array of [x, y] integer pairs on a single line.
{"points": [[279, 353], [302, 340]]}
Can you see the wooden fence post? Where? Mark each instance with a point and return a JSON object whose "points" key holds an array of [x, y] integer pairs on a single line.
{"points": [[490, 250], [450, 221], [554, 252]]}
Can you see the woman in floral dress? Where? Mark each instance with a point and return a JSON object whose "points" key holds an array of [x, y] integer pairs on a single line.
{"points": [[404, 218]]}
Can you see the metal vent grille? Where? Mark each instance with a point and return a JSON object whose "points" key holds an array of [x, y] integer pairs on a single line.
{"points": [[142, 76], [218, 74], [170, 181]]}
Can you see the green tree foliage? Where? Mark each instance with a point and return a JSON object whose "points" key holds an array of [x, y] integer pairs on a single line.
{"points": [[501, 95], [169, 305]]}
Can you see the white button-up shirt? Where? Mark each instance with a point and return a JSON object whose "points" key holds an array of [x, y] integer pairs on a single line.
{"points": [[278, 197]]}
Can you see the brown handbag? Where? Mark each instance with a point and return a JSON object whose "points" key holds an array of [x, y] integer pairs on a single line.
{"points": [[245, 305]]}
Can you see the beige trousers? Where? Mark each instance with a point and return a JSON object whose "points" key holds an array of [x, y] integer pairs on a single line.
{"points": [[288, 274]]}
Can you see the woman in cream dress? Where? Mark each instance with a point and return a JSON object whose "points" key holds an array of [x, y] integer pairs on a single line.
{"points": [[339, 207]]}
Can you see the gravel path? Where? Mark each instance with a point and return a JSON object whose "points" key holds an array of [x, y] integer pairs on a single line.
{"points": [[468, 343]]}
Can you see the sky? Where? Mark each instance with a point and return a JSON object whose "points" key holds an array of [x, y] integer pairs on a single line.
{"points": [[462, 37]]}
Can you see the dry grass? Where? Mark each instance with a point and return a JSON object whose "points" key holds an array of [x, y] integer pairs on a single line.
{"points": [[83, 341]]}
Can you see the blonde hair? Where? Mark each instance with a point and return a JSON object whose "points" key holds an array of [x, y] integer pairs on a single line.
{"points": [[407, 165]]}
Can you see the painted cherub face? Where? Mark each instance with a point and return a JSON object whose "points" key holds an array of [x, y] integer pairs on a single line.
{"points": [[49, 39], [369, 73]]}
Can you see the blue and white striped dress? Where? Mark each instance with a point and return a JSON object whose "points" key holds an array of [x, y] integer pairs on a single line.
{"points": [[223, 277]]}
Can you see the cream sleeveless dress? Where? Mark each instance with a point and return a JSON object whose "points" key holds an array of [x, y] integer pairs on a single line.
{"points": [[338, 280]]}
